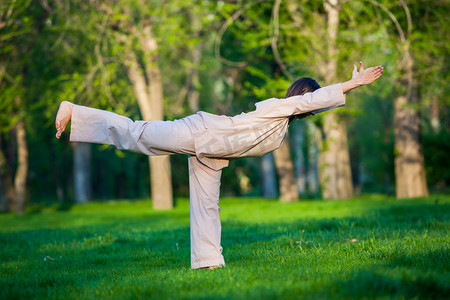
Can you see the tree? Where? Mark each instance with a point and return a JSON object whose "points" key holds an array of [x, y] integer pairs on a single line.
{"points": [[285, 170], [17, 39], [269, 187], [316, 58], [409, 162], [334, 158], [140, 49]]}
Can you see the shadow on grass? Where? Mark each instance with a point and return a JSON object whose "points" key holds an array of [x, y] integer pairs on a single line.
{"points": [[398, 278], [85, 255]]}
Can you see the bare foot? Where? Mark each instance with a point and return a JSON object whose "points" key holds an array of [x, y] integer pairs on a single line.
{"points": [[63, 117], [212, 267]]}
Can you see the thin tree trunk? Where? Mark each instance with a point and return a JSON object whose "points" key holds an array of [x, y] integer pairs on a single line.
{"points": [[269, 183], [312, 176], [82, 172], [285, 167], [20, 180], [434, 115], [150, 100], [161, 176], [285, 170], [193, 93], [334, 160], [409, 162], [3, 200], [8, 195], [299, 160], [59, 190]]}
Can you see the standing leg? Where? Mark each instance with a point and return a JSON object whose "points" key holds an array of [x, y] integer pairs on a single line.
{"points": [[204, 190]]}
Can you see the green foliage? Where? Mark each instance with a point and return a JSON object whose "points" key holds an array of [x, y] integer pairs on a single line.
{"points": [[367, 248], [57, 50]]}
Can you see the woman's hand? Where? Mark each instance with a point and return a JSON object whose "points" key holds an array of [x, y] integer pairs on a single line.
{"points": [[363, 77], [366, 76]]}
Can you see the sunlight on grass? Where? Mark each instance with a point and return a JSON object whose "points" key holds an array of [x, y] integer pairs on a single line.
{"points": [[375, 248]]}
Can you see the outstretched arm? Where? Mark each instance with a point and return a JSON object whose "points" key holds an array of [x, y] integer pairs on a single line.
{"points": [[363, 77]]}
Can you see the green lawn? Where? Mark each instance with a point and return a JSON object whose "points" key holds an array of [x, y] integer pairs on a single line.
{"points": [[366, 248]]}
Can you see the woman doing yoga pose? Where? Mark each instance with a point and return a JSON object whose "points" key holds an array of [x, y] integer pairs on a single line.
{"points": [[210, 141]]}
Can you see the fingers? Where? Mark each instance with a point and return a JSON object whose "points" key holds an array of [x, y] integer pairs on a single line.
{"points": [[375, 72], [370, 74], [355, 72], [378, 70]]}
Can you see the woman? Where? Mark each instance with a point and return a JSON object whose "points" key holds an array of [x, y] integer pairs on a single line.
{"points": [[210, 141]]}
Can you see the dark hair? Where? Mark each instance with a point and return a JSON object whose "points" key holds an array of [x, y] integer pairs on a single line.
{"points": [[300, 87]]}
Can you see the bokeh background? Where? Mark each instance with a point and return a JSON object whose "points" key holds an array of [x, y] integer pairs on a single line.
{"points": [[168, 59]]}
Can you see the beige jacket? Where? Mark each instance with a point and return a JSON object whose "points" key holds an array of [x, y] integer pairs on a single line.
{"points": [[220, 138]]}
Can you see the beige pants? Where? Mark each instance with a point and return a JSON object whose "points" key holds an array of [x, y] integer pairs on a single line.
{"points": [[160, 138]]}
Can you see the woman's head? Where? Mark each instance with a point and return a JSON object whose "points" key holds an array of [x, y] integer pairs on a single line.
{"points": [[302, 86]]}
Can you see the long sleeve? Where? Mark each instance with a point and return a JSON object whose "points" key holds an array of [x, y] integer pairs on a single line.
{"points": [[325, 97], [260, 131]]}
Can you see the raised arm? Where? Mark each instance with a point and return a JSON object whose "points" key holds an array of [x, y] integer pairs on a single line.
{"points": [[363, 77]]}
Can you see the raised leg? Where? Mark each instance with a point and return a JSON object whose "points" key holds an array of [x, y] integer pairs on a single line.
{"points": [[204, 190], [92, 125]]}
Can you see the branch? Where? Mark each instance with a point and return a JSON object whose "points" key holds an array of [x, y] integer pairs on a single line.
{"points": [[222, 30], [293, 8], [274, 38], [392, 17], [399, 29], [408, 16]]}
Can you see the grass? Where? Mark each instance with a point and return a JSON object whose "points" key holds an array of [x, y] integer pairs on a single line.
{"points": [[366, 248]]}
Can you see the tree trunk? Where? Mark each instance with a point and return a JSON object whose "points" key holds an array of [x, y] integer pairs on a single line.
{"points": [[434, 115], [7, 193], [193, 94], [285, 170], [312, 178], [20, 180], [82, 172], [150, 100], [3, 200], [334, 160], [299, 159], [269, 184], [409, 163]]}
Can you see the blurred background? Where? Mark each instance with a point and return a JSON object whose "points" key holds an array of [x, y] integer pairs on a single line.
{"points": [[168, 59]]}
